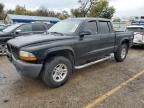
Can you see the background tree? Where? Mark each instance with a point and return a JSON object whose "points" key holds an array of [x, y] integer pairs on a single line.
{"points": [[102, 9], [77, 12], [1, 8], [20, 10], [116, 19], [1, 11], [63, 15], [85, 6], [10, 11], [94, 8], [42, 11]]}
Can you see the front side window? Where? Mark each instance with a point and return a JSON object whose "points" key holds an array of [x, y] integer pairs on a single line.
{"points": [[65, 27], [25, 28], [91, 27]]}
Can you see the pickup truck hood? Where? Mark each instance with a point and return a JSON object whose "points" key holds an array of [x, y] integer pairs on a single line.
{"points": [[29, 40]]}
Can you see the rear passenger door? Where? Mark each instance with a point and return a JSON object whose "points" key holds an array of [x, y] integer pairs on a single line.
{"points": [[38, 28], [107, 37]]}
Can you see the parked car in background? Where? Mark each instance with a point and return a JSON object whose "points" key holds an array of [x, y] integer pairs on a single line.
{"points": [[3, 26], [20, 29], [138, 34], [70, 44]]}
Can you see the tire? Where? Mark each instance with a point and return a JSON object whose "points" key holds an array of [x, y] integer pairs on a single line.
{"points": [[121, 54], [3, 49], [56, 71]]}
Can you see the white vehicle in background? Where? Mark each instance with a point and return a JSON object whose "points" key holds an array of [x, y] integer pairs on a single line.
{"points": [[138, 34]]}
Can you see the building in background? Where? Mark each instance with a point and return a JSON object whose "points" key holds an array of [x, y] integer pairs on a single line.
{"points": [[138, 21], [10, 19], [120, 24]]}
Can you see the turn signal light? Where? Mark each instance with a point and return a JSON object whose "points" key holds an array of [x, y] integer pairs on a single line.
{"points": [[27, 56]]}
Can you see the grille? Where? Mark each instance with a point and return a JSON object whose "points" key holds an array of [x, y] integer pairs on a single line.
{"points": [[13, 50]]}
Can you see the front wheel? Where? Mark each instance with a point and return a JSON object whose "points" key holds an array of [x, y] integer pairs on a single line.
{"points": [[56, 71], [122, 52]]}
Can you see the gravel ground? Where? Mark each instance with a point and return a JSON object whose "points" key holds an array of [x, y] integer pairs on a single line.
{"points": [[84, 86]]}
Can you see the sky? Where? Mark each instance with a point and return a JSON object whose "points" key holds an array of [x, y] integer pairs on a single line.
{"points": [[124, 8]]}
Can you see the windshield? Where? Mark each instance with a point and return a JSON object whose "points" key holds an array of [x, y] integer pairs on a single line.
{"points": [[65, 27], [136, 29], [11, 28]]}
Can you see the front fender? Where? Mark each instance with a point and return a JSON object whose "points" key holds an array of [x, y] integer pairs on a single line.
{"points": [[61, 48]]}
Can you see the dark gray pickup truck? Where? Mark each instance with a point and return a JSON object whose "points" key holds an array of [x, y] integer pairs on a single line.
{"points": [[70, 44]]}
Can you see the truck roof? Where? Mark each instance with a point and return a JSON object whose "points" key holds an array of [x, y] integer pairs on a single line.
{"points": [[90, 18]]}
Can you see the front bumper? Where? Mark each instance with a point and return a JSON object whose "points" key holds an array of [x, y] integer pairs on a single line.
{"points": [[26, 69]]}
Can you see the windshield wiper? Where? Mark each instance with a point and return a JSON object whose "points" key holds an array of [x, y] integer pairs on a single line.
{"points": [[58, 33]]}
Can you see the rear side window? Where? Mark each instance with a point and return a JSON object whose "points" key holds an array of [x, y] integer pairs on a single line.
{"points": [[38, 27], [25, 28], [104, 27], [91, 26]]}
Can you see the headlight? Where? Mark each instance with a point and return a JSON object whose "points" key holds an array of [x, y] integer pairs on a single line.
{"points": [[27, 56]]}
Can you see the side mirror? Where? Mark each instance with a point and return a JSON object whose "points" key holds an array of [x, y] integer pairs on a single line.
{"points": [[83, 33]]}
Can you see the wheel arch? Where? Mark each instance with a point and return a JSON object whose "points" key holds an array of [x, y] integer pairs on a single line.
{"points": [[67, 52], [125, 41]]}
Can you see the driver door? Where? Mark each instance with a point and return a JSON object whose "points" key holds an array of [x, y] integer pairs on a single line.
{"points": [[89, 44]]}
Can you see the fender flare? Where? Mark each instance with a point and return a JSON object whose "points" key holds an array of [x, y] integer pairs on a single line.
{"points": [[60, 48], [122, 40]]}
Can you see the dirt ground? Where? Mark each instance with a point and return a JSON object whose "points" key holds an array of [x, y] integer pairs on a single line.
{"points": [[84, 86]]}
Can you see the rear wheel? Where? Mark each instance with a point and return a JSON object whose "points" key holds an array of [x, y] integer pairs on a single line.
{"points": [[3, 49], [56, 71], [122, 52]]}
